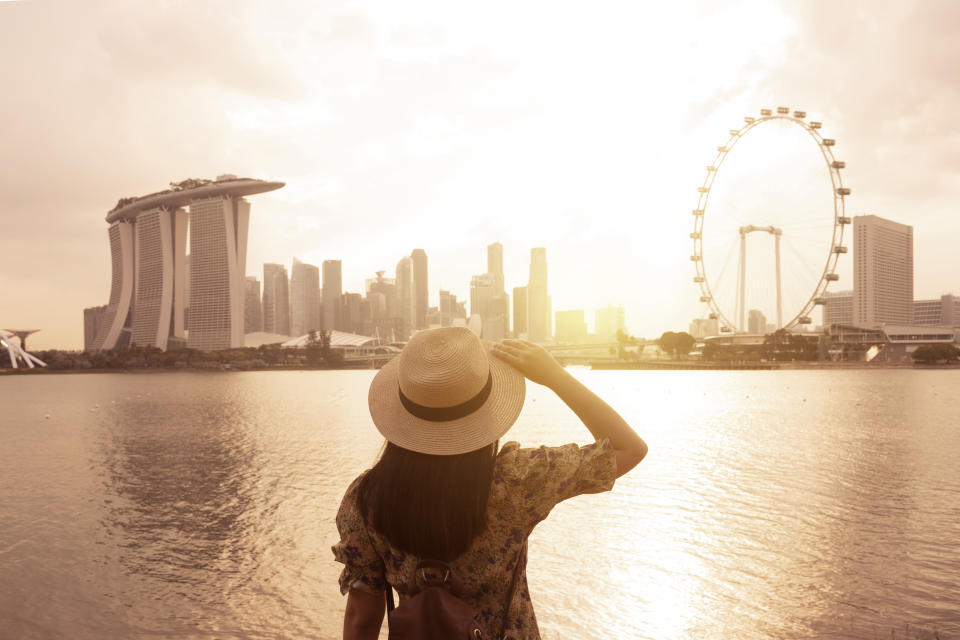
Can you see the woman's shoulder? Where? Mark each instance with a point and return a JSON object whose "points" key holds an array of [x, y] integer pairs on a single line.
{"points": [[349, 504], [354, 485]]}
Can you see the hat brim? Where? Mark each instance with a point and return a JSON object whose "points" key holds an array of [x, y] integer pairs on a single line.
{"points": [[478, 429]]}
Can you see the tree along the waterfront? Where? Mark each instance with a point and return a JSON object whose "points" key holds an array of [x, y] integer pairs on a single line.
{"points": [[936, 353], [134, 357], [676, 344], [783, 345]]}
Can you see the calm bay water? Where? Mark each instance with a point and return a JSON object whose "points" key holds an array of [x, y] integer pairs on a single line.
{"points": [[773, 504]]}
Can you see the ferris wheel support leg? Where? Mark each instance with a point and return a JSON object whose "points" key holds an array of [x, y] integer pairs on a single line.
{"points": [[13, 356], [743, 278], [779, 292]]}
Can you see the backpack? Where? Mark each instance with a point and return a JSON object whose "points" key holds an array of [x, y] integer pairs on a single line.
{"points": [[434, 612]]}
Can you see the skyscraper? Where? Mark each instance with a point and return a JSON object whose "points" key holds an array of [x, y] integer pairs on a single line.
{"points": [[883, 272], [159, 251], [121, 288], [304, 298], [350, 311], [943, 311], [607, 321], [490, 306], [421, 295], [495, 265], [757, 322], [218, 255], [519, 311], [497, 316], [149, 290], [704, 327], [252, 306], [571, 327], [92, 319], [838, 307], [276, 299], [406, 294], [538, 302], [450, 310], [332, 290]]}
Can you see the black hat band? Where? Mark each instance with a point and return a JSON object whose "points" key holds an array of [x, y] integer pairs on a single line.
{"points": [[445, 414]]}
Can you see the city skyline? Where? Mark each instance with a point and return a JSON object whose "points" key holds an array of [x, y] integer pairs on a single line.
{"points": [[460, 132]]}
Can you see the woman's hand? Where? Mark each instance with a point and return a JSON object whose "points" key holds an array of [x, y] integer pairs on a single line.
{"points": [[532, 360]]}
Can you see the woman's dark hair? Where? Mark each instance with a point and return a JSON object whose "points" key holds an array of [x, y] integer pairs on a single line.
{"points": [[428, 505]]}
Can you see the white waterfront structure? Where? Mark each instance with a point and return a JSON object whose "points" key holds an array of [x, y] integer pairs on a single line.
{"points": [[149, 288], [15, 350]]}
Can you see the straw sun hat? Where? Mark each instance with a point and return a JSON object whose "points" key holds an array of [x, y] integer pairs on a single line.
{"points": [[445, 394]]}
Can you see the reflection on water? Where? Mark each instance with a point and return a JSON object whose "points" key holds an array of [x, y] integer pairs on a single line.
{"points": [[772, 504], [183, 491]]}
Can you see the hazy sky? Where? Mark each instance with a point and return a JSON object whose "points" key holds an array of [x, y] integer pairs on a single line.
{"points": [[581, 127]]}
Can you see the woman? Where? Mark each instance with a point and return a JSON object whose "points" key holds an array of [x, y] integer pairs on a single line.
{"points": [[442, 491]]}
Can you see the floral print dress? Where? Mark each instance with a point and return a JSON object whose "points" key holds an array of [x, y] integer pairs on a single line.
{"points": [[527, 483]]}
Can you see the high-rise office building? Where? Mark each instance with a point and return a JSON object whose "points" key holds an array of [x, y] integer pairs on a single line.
{"points": [[838, 308], [481, 293], [489, 305], [159, 252], [351, 313], [252, 306], [519, 311], [186, 291], [92, 319], [571, 327], [218, 261], [497, 318], [387, 287], [451, 310], [276, 299], [495, 265], [704, 327], [384, 307], [121, 288], [538, 300], [942, 311], [607, 321], [407, 297], [304, 298], [883, 272], [332, 290], [421, 292], [756, 322]]}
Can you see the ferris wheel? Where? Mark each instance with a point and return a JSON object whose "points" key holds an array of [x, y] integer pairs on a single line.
{"points": [[794, 232]]}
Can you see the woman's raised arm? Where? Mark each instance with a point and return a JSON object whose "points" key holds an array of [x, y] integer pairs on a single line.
{"points": [[537, 365]]}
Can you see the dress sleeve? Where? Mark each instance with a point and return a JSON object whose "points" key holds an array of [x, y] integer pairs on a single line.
{"points": [[546, 476], [363, 567]]}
